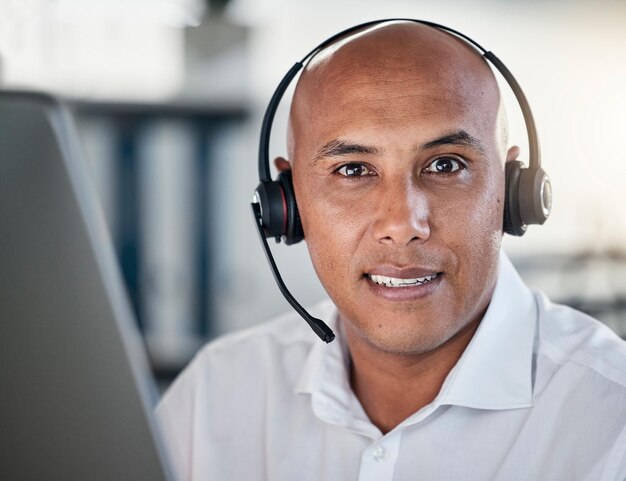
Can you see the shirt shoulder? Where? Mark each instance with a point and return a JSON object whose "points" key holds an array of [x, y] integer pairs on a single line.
{"points": [[221, 397], [567, 336], [287, 332], [580, 380], [241, 364]]}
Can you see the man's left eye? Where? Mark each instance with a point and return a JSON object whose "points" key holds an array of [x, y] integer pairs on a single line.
{"points": [[444, 165], [354, 170]]}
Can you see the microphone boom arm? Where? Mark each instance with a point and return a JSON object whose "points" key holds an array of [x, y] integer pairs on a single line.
{"points": [[324, 332]]}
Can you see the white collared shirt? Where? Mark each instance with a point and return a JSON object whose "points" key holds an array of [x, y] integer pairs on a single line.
{"points": [[539, 394]]}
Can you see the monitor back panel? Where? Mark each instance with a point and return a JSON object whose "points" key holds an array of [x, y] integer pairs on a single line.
{"points": [[75, 392]]}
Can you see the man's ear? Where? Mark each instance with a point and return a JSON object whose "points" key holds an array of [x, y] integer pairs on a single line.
{"points": [[281, 164], [513, 153]]}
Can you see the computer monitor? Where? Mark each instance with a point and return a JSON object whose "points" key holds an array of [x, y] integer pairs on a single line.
{"points": [[76, 394]]}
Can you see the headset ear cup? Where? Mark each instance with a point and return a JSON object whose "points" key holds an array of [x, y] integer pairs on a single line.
{"points": [[273, 210], [512, 223], [535, 196], [294, 232]]}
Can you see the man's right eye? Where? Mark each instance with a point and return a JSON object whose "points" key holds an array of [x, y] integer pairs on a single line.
{"points": [[354, 170]]}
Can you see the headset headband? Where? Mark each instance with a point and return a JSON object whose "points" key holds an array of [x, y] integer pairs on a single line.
{"points": [[534, 157]]}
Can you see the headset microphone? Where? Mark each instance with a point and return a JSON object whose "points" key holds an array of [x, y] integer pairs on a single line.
{"points": [[322, 330], [528, 195]]}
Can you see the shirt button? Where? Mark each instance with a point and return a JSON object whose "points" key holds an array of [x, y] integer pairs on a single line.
{"points": [[379, 454]]}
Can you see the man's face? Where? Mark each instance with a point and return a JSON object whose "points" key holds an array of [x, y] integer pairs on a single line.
{"points": [[398, 177]]}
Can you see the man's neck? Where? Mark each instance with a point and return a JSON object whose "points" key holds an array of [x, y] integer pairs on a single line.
{"points": [[391, 386]]}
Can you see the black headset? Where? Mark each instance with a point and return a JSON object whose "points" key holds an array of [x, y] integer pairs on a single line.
{"points": [[528, 193]]}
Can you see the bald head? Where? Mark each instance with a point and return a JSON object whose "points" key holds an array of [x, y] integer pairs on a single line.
{"points": [[397, 166], [412, 65]]}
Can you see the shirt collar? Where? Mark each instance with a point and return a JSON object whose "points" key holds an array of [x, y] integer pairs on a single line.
{"points": [[496, 369], [494, 372], [325, 372]]}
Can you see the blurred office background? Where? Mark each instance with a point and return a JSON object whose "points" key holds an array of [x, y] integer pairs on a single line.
{"points": [[168, 97]]}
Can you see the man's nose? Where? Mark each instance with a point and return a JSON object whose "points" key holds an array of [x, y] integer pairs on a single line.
{"points": [[402, 215]]}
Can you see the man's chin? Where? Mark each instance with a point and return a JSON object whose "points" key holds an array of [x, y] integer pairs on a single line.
{"points": [[398, 339]]}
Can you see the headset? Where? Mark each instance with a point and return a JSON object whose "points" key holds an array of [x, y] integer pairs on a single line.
{"points": [[528, 192]]}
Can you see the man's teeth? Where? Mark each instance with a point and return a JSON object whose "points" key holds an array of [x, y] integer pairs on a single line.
{"points": [[395, 282]]}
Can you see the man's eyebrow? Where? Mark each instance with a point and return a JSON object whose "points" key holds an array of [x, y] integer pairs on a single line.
{"points": [[338, 147], [460, 137]]}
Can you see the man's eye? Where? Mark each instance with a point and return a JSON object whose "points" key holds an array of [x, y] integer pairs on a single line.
{"points": [[444, 165], [354, 170]]}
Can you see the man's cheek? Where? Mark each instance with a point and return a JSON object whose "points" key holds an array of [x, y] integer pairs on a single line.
{"points": [[325, 254]]}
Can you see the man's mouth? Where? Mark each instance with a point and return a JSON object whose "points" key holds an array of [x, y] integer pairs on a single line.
{"points": [[400, 282]]}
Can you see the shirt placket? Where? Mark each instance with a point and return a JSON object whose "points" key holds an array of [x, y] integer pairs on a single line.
{"points": [[378, 460]]}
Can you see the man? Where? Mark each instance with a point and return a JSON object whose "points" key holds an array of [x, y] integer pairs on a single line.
{"points": [[446, 366]]}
